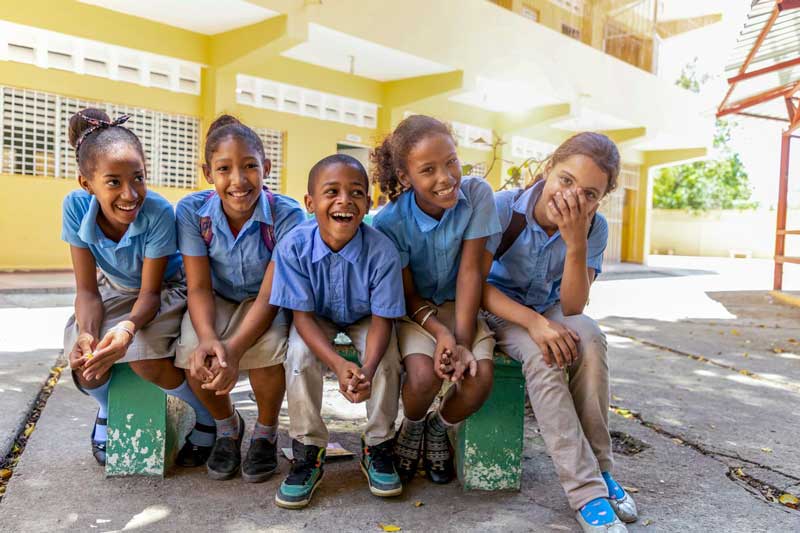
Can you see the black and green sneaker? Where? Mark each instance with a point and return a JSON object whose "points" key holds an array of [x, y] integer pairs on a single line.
{"points": [[377, 464], [297, 489]]}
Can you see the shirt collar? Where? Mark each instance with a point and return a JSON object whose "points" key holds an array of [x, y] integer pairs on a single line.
{"points": [[426, 222], [90, 232], [262, 212], [351, 251], [212, 208]]}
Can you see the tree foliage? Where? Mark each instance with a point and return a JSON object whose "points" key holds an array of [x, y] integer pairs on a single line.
{"points": [[720, 182]]}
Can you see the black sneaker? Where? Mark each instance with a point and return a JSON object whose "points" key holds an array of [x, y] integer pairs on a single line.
{"points": [[437, 455], [99, 446], [297, 489], [407, 450], [377, 465], [192, 455], [226, 455], [260, 462]]}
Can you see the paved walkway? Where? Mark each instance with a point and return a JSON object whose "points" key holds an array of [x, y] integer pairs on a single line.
{"points": [[705, 383]]}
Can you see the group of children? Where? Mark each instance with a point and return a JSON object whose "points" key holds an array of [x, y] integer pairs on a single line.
{"points": [[237, 278]]}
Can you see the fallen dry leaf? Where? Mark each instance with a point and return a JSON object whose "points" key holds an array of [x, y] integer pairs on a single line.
{"points": [[647, 522], [390, 527], [745, 354], [632, 490], [418, 504], [5, 473], [676, 440], [29, 429], [789, 499], [766, 450], [777, 350], [735, 332]]}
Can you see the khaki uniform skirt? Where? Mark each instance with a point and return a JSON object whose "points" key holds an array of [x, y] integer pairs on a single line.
{"points": [[158, 338]]}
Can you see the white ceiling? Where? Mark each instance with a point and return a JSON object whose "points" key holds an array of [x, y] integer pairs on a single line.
{"points": [[201, 16], [332, 49], [504, 96], [584, 119]]}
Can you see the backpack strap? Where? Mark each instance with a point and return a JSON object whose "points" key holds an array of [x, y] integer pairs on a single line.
{"points": [[206, 227], [515, 227], [268, 230]]}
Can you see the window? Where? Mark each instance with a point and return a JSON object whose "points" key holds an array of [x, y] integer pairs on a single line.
{"points": [[34, 137], [273, 147]]}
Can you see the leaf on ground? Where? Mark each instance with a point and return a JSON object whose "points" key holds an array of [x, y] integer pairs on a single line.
{"points": [[632, 490], [29, 429], [5, 473], [676, 440], [735, 332], [777, 350], [792, 341], [745, 354], [419, 504], [739, 472], [766, 450], [390, 527], [647, 522], [789, 499]]}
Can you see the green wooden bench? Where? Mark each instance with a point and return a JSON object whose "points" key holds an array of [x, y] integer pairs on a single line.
{"points": [[489, 444], [144, 426]]}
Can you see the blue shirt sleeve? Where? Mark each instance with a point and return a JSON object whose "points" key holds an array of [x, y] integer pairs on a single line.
{"points": [[596, 244], [288, 214], [161, 239], [390, 224], [483, 221], [386, 287], [72, 215], [291, 285], [190, 242]]}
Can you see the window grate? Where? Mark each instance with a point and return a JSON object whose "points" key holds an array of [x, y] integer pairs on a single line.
{"points": [[34, 137], [273, 148]]}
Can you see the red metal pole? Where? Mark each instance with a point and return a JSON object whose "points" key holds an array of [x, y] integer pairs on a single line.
{"points": [[783, 190]]}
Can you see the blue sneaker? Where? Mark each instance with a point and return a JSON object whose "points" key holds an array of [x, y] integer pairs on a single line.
{"points": [[597, 516], [378, 466], [297, 489], [621, 501]]}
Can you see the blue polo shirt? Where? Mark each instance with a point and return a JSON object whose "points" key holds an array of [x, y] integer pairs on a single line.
{"points": [[363, 278], [531, 269], [432, 248], [237, 263], [151, 235]]}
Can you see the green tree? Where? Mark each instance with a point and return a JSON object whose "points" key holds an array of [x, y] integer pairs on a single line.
{"points": [[720, 182]]}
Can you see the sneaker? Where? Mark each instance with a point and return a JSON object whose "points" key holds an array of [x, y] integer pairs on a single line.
{"points": [[437, 455], [192, 455], [408, 449], [597, 516], [99, 446], [260, 462], [226, 455], [297, 489], [622, 502], [377, 465]]}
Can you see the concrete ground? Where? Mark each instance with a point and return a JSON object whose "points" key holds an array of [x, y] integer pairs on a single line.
{"points": [[705, 383]]}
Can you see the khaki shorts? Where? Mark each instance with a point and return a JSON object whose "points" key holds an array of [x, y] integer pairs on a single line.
{"points": [[268, 350], [413, 338], [158, 338]]}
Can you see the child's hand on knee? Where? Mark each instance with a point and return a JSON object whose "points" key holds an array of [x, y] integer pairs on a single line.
{"points": [[558, 343], [444, 355], [207, 360], [225, 378], [109, 350], [82, 351]]}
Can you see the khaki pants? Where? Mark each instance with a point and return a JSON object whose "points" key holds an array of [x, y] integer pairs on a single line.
{"points": [[572, 411], [304, 376]]}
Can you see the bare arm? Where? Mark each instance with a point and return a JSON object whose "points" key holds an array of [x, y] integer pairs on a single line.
{"points": [[200, 297], [469, 284], [89, 311], [149, 300], [257, 320]]}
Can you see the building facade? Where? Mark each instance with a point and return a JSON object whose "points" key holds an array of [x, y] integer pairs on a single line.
{"points": [[312, 78]]}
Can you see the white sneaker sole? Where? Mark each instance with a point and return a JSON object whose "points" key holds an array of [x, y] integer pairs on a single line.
{"points": [[378, 492]]}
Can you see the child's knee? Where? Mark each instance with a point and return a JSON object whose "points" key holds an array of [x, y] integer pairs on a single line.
{"points": [[153, 370], [422, 382], [587, 329], [480, 386]]}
